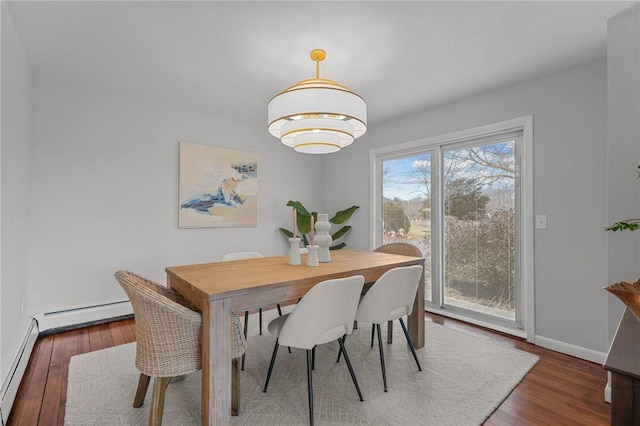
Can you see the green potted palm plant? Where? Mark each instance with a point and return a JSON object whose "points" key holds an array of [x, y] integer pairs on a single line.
{"points": [[303, 222]]}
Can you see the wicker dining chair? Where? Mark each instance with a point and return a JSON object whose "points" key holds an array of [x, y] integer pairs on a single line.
{"points": [[404, 249], [168, 340]]}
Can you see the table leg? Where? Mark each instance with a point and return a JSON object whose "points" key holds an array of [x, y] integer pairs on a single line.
{"points": [[416, 319], [216, 362]]}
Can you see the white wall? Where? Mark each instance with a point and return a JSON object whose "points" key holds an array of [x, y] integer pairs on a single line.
{"points": [[623, 70], [105, 197], [14, 190], [569, 118]]}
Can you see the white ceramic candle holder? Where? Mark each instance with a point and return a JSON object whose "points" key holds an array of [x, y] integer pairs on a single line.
{"points": [[312, 256], [294, 251]]}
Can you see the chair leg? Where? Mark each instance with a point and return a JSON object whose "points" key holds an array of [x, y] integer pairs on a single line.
{"points": [[384, 371], [260, 315], [413, 350], [310, 384], [389, 332], [313, 358], [346, 359], [373, 332], [279, 310], [141, 392], [246, 329], [344, 339], [157, 405], [235, 387], [273, 360]]}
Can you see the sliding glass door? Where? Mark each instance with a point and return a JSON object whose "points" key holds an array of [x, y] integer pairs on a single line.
{"points": [[458, 202]]}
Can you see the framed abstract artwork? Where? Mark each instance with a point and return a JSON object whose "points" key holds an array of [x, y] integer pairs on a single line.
{"points": [[218, 187]]}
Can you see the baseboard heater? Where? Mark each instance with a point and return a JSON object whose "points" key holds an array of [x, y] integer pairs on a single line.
{"points": [[53, 322]]}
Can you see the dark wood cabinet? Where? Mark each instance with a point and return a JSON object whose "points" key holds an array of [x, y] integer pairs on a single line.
{"points": [[623, 361]]}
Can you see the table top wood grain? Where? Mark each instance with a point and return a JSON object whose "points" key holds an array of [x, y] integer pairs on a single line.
{"points": [[218, 280]]}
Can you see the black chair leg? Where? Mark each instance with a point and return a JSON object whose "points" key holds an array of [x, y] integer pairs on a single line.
{"points": [[384, 371], [246, 329], [313, 358], [373, 332], [346, 359], [310, 384], [260, 314], [279, 310], [273, 360], [413, 350], [344, 339]]}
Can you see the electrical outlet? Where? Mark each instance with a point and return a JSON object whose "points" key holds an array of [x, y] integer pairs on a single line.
{"points": [[541, 221]]}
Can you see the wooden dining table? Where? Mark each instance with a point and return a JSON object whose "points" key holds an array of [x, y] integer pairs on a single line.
{"points": [[220, 288]]}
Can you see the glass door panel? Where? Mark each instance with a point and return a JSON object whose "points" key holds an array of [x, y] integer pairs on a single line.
{"points": [[479, 237], [406, 205]]}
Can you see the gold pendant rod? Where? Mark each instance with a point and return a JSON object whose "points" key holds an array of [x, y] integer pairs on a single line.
{"points": [[318, 55]]}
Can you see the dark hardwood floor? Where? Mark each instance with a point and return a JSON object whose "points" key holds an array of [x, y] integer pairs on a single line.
{"points": [[559, 390]]}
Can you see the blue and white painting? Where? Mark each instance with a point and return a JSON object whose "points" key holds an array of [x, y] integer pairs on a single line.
{"points": [[218, 187]]}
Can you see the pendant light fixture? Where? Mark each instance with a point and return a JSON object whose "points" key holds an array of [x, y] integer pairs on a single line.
{"points": [[316, 115]]}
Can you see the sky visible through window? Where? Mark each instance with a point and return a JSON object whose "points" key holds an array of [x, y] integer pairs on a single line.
{"points": [[398, 181]]}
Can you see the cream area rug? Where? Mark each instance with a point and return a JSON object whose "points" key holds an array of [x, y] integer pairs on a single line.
{"points": [[464, 379]]}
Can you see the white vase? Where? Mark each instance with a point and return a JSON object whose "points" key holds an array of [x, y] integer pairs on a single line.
{"points": [[322, 237], [312, 256], [294, 251]]}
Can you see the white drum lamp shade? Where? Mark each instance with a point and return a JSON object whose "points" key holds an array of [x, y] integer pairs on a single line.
{"points": [[317, 116]]}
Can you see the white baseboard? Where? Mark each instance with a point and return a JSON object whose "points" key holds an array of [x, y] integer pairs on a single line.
{"points": [[11, 383], [569, 349], [50, 321]]}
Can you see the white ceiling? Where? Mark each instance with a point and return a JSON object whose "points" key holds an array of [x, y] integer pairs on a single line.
{"points": [[232, 57]]}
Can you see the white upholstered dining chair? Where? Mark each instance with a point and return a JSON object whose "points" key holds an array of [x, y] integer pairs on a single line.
{"points": [[390, 298], [402, 249], [168, 336], [323, 315]]}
